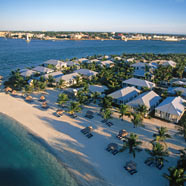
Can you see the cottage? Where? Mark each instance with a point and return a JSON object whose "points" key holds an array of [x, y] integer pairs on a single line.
{"points": [[56, 63], [69, 79], [124, 95], [55, 75], [150, 99], [86, 72], [107, 63], [169, 63], [138, 83], [42, 70], [83, 60], [27, 73], [171, 109]]}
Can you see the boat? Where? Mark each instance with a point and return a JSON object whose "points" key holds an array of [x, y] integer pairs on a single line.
{"points": [[27, 39]]}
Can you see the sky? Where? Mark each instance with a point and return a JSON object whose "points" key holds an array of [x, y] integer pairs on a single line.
{"points": [[149, 16]]}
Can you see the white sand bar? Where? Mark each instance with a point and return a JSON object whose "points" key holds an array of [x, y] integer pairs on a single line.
{"points": [[86, 158]]}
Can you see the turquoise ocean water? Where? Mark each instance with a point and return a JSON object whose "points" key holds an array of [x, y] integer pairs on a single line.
{"points": [[25, 162]]}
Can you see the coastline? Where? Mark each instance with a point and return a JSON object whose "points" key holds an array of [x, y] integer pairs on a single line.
{"points": [[95, 178], [86, 159]]}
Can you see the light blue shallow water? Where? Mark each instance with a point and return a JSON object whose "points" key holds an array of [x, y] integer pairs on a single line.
{"points": [[24, 162], [16, 53]]}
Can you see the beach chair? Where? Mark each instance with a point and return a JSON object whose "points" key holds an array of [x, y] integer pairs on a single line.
{"points": [[149, 161], [109, 124], [133, 171], [115, 152], [89, 135], [109, 149]]}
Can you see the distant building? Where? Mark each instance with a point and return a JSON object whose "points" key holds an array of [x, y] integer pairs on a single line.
{"points": [[54, 75], [169, 63], [171, 109], [42, 70], [69, 79], [56, 63], [86, 72], [107, 63], [150, 99], [83, 60], [27, 73], [138, 83], [124, 95]]}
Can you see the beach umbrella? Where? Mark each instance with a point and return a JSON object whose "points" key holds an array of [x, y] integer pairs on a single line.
{"points": [[8, 89], [14, 92], [28, 98], [42, 98], [123, 133]]}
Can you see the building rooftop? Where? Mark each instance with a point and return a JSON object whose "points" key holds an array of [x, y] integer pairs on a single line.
{"points": [[86, 72], [139, 82], [149, 99], [172, 105], [42, 69]]}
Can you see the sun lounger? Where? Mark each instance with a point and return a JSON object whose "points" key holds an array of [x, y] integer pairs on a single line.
{"points": [[115, 152], [89, 135], [109, 149], [109, 124], [133, 171]]}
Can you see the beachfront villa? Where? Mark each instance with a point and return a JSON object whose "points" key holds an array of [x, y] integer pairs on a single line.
{"points": [[169, 63], [178, 89], [83, 60], [150, 99], [107, 63], [27, 73], [171, 109], [95, 61], [56, 63], [55, 75], [69, 79], [138, 83], [86, 73], [124, 95], [42, 70], [98, 88]]}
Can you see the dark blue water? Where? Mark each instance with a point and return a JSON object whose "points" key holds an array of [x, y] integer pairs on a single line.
{"points": [[15, 53], [24, 162]]}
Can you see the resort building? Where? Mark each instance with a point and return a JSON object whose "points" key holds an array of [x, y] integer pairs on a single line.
{"points": [[171, 109], [150, 99], [107, 63], [54, 75], [69, 79], [72, 63], [169, 63], [83, 60], [42, 70], [95, 61], [178, 89], [56, 63], [138, 83], [27, 73], [117, 58], [86, 72], [98, 88], [124, 95]]}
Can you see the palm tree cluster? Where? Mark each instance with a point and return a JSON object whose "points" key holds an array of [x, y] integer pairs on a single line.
{"points": [[132, 144], [62, 98]]}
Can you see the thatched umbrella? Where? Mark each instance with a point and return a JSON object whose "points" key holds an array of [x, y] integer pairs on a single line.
{"points": [[113, 146], [122, 133], [8, 89], [42, 98], [14, 92], [29, 98], [44, 105], [59, 112]]}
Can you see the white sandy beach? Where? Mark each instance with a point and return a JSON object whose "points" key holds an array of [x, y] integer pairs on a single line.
{"points": [[86, 158]]}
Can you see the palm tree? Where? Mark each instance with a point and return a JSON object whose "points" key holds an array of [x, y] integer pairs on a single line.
{"points": [[158, 152], [106, 102], [106, 114], [95, 96], [142, 109], [124, 110], [132, 144], [61, 83], [74, 107], [137, 119], [182, 161], [162, 135], [176, 176], [182, 128], [51, 80], [62, 98], [82, 98]]}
